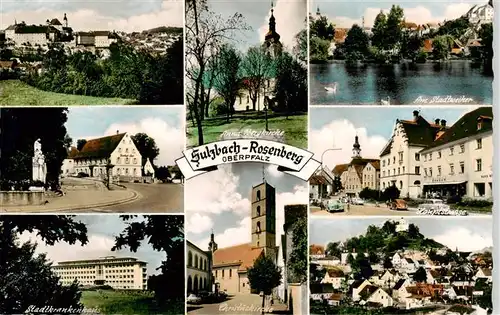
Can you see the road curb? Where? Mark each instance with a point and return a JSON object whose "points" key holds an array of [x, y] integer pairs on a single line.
{"points": [[135, 196]]}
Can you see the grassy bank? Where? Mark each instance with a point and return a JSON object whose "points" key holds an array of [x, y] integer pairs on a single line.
{"points": [[127, 302], [17, 93], [295, 128]]}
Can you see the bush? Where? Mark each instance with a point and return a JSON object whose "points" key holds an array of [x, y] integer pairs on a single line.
{"points": [[370, 194], [421, 57], [454, 199], [477, 203]]}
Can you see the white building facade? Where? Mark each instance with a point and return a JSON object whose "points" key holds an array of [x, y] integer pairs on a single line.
{"points": [[119, 273], [461, 161], [199, 269]]}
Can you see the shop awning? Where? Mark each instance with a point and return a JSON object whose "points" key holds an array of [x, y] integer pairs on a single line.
{"points": [[444, 183]]}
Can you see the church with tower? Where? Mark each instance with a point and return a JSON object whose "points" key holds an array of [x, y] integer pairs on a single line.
{"points": [[359, 173], [230, 264]]}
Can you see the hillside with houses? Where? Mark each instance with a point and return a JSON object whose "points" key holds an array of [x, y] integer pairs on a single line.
{"points": [[393, 269]]}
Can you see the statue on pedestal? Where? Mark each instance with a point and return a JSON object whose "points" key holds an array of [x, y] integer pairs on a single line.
{"points": [[39, 166]]}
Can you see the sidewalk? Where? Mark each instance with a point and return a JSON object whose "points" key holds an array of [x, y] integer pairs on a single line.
{"points": [[79, 200]]}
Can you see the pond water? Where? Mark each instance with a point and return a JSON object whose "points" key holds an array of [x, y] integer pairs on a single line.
{"points": [[400, 84]]}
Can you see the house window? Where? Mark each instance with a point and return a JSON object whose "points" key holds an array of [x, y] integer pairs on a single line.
{"points": [[400, 157], [222, 273], [230, 273], [430, 171], [135, 160], [479, 125], [479, 165], [399, 170], [452, 169], [430, 156], [388, 161], [393, 160], [417, 170], [119, 150], [117, 160], [126, 171], [479, 189], [425, 157], [462, 148], [383, 163], [248, 99], [126, 150], [479, 143], [439, 154], [451, 150], [258, 228], [417, 157], [462, 167], [439, 171], [126, 161], [403, 169]]}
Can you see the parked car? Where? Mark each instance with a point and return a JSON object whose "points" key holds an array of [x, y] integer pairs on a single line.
{"points": [[193, 299], [358, 201], [335, 206], [433, 205], [399, 204]]}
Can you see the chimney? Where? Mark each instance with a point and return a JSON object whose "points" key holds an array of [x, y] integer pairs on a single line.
{"points": [[415, 114], [437, 121], [443, 122]]}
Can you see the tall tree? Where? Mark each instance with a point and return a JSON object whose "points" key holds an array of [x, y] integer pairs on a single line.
{"points": [[321, 28], [205, 32], [257, 66], [264, 276], [357, 42], [298, 258], [20, 266], [80, 143], [227, 82], [332, 249], [486, 35], [291, 85], [164, 234], [379, 30], [394, 27], [21, 128], [146, 146], [300, 48]]}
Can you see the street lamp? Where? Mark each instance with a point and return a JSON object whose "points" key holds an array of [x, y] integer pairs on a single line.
{"points": [[322, 156]]}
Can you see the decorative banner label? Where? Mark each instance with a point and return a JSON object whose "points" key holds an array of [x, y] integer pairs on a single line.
{"points": [[206, 158]]}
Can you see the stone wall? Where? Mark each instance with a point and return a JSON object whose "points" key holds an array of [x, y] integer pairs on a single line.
{"points": [[21, 198]]}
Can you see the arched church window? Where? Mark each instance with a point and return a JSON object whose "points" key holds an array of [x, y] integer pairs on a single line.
{"points": [[258, 227], [258, 194], [258, 210]]}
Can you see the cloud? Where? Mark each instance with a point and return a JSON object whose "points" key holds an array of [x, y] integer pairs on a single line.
{"points": [[419, 14], [464, 239], [340, 134], [170, 14], [290, 20], [198, 223], [215, 193], [169, 140], [236, 235], [273, 171]]}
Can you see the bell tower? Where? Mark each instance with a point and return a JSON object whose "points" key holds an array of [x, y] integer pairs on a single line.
{"points": [[272, 40], [263, 197], [356, 149]]}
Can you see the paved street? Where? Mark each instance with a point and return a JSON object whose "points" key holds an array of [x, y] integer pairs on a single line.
{"points": [[152, 198], [242, 304], [355, 210]]}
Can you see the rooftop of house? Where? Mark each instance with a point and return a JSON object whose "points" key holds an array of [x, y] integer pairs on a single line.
{"points": [[335, 273], [315, 249], [242, 255], [319, 288], [339, 169], [97, 148]]}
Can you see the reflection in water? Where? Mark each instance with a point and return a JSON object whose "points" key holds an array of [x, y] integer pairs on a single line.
{"points": [[402, 83]]}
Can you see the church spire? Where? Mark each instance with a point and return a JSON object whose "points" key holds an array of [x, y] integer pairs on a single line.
{"points": [[356, 148], [272, 20]]}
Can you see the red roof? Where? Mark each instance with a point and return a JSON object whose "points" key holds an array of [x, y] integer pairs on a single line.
{"points": [[98, 148], [316, 249], [317, 180], [243, 255], [339, 169]]}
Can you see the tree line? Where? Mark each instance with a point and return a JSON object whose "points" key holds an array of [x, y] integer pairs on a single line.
{"points": [[127, 73]]}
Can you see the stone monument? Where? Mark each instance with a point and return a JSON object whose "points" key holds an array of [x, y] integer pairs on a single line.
{"points": [[39, 166]]}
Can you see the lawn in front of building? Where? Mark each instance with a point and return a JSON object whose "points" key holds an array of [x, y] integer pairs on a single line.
{"points": [[127, 302], [18, 93], [294, 127]]}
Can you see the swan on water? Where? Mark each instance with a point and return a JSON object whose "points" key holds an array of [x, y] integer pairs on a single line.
{"points": [[332, 88]]}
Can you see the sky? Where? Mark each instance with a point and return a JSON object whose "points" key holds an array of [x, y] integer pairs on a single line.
{"points": [[290, 19], [101, 233], [222, 202], [466, 234], [347, 13], [337, 127], [164, 124], [118, 15]]}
